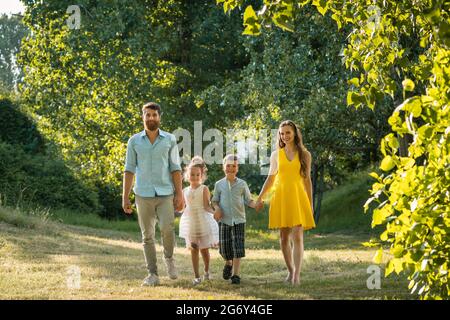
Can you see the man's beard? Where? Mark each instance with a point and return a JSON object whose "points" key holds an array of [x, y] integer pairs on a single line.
{"points": [[152, 125]]}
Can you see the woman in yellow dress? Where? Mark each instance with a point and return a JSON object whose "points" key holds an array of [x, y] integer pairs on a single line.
{"points": [[291, 203]]}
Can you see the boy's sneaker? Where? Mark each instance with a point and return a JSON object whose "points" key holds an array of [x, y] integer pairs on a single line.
{"points": [[206, 276], [227, 271], [235, 280], [196, 281], [171, 270], [151, 280]]}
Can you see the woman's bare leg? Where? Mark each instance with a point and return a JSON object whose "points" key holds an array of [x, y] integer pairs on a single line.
{"points": [[297, 233], [286, 248]]}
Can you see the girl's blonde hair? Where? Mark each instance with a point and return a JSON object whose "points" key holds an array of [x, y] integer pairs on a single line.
{"points": [[196, 162]]}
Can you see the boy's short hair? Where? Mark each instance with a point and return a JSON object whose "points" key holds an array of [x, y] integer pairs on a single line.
{"points": [[153, 106], [230, 157]]}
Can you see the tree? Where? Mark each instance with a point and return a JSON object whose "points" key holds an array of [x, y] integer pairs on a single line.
{"points": [[413, 192], [12, 31], [86, 86], [299, 76]]}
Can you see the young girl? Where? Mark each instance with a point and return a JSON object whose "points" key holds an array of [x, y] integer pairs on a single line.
{"points": [[197, 225]]}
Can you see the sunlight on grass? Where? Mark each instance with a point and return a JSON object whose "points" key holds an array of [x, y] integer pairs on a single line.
{"points": [[37, 254]]}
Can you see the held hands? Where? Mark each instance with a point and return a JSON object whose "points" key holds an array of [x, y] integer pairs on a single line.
{"points": [[218, 214], [178, 202], [259, 205]]}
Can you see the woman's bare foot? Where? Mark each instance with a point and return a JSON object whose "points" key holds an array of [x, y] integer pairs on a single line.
{"points": [[296, 281], [288, 278]]}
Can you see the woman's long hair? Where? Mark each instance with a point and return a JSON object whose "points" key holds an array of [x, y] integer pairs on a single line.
{"points": [[298, 141]]}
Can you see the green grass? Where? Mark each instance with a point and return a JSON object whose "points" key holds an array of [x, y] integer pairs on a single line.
{"points": [[37, 255], [24, 218], [126, 224], [38, 248], [342, 208]]}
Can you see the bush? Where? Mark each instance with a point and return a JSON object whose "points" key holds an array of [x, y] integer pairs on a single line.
{"points": [[39, 180], [17, 128]]}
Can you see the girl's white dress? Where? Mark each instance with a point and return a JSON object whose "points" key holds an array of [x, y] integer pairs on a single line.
{"points": [[197, 226]]}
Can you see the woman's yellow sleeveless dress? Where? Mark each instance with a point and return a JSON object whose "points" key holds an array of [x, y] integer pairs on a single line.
{"points": [[289, 205]]}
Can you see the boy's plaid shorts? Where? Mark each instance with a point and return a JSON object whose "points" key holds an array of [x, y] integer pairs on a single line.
{"points": [[232, 240]]}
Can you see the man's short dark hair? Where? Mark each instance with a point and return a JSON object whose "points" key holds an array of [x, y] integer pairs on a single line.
{"points": [[153, 106]]}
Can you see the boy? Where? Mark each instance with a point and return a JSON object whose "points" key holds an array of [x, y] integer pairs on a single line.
{"points": [[231, 194]]}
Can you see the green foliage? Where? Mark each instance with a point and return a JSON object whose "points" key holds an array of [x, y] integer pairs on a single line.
{"points": [[30, 180], [404, 43], [19, 129], [342, 209], [86, 87], [29, 177], [12, 32], [300, 76]]}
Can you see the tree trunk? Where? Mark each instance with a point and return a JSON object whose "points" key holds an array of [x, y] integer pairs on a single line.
{"points": [[317, 182], [404, 143]]}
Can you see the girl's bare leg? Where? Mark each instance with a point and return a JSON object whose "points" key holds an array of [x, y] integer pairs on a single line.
{"points": [[206, 258], [195, 258]]}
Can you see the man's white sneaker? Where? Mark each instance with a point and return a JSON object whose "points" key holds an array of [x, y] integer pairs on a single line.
{"points": [[206, 276], [171, 270], [196, 281], [151, 280]]}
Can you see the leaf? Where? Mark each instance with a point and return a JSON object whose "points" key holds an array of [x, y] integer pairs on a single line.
{"points": [[354, 81], [380, 215], [321, 5], [389, 268], [252, 27], [284, 24], [397, 251], [378, 257], [392, 141], [387, 163], [408, 85], [416, 110], [375, 175], [425, 131], [354, 98], [250, 15]]}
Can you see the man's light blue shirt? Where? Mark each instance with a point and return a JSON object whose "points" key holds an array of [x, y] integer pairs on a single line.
{"points": [[232, 199], [153, 163]]}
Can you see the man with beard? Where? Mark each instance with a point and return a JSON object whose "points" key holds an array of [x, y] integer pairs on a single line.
{"points": [[152, 155]]}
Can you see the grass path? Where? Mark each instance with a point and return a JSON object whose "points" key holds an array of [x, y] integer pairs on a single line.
{"points": [[36, 259]]}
